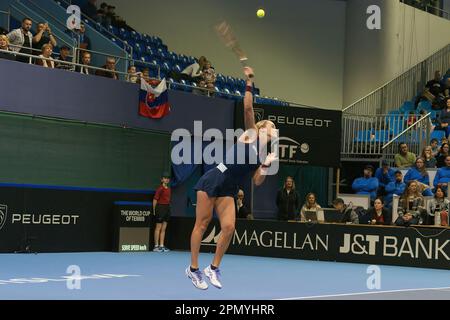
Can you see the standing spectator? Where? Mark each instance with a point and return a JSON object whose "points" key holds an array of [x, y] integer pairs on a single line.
{"points": [[111, 17], [241, 210], [133, 76], [311, 205], [64, 55], [434, 147], [21, 40], [419, 173], [444, 118], [427, 155], [437, 209], [208, 77], [111, 66], [378, 214], [385, 175], [83, 40], [101, 15], [4, 45], [410, 206], [194, 71], [442, 177], [404, 159], [86, 61], [90, 9], [47, 50], [443, 153], [287, 201], [43, 36], [349, 215], [397, 187], [161, 208], [366, 184]]}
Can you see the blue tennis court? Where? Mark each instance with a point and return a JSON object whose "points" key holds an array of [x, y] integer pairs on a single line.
{"points": [[154, 276]]}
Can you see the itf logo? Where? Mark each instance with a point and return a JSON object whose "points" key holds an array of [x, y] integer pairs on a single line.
{"points": [[74, 20]]}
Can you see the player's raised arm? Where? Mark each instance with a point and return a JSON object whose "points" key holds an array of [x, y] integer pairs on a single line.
{"points": [[249, 116]]}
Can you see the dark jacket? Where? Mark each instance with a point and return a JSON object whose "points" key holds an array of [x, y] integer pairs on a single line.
{"points": [[106, 74], [288, 204], [387, 216]]}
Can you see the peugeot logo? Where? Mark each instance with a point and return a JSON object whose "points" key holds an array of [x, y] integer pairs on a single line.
{"points": [[3, 215], [259, 114]]}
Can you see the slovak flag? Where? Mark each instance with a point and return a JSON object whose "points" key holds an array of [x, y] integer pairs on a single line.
{"points": [[154, 102]]}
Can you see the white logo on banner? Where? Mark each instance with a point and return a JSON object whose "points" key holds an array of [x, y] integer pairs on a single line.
{"points": [[374, 280], [212, 238], [74, 20], [3, 215], [374, 21]]}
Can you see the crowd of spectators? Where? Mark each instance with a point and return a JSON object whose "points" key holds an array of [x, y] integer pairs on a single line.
{"points": [[104, 14]]}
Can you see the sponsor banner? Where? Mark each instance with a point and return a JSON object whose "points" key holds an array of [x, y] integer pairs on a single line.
{"points": [[303, 132], [58, 219], [426, 247]]}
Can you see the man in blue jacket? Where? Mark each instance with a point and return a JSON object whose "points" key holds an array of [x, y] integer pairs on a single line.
{"points": [[442, 177], [396, 187], [366, 184], [385, 175]]}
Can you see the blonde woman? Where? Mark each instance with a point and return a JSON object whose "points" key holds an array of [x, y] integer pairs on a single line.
{"points": [[4, 45], [427, 155], [47, 50], [218, 188], [311, 205]]}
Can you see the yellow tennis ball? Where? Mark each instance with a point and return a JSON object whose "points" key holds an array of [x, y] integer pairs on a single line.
{"points": [[260, 13]]}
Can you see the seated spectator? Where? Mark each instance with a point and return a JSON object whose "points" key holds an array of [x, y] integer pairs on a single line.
{"points": [[4, 45], [21, 40], [194, 71], [111, 66], [404, 159], [86, 62], [133, 76], [208, 77], [64, 55], [437, 210], [378, 214], [419, 173], [43, 36], [90, 9], [367, 184], [385, 175], [287, 201], [241, 210], [443, 153], [446, 89], [442, 177], [349, 215], [427, 155], [146, 75], [397, 187], [411, 206], [434, 147], [434, 86], [47, 50], [444, 119], [311, 205]]}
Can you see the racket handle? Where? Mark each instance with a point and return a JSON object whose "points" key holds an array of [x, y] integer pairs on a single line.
{"points": [[244, 64]]}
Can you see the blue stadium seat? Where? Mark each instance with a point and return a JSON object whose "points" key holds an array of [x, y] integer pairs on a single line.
{"points": [[437, 134]]}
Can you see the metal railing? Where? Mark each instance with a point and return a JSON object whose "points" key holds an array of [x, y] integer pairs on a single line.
{"points": [[372, 136], [403, 88], [437, 11]]}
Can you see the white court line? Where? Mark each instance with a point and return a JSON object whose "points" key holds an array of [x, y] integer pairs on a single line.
{"points": [[362, 293]]}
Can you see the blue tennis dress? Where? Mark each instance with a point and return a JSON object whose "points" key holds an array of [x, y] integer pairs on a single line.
{"points": [[223, 180]]}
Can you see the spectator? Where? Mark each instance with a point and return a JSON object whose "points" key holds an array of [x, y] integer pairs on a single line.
{"points": [[3, 31], [161, 209], [194, 71], [434, 86], [397, 187], [21, 40], [437, 210], [419, 173], [404, 159], [311, 205], [367, 184], [241, 210], [427, 155], [111, 66], [443, 153], [146, 75], [133, 76], [4, 45], [47, 50], [208, 78], [410, 206], [444, 118], [349, 215], [385, 175], [111, 17], [443, 175], [86, 62], [83, 40], [434, 147], [378, 214], [90, 9], [446, 88], [43, 36], [64, 55], [287, 201]]}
